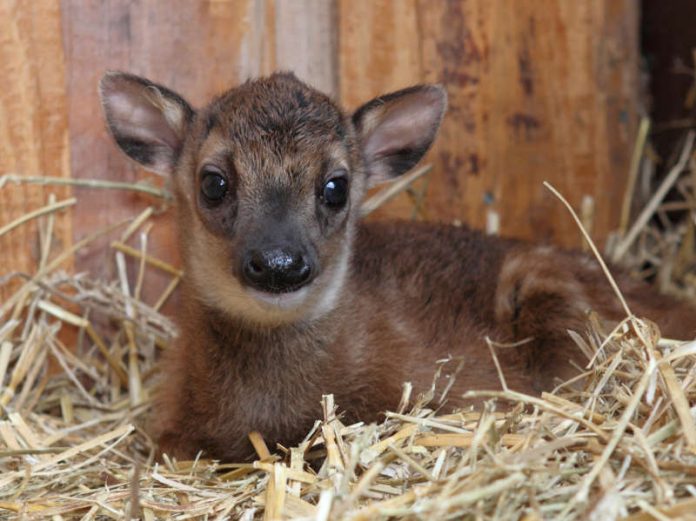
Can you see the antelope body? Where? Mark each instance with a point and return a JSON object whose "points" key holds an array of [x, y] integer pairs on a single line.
{"points": [[288, 296]]}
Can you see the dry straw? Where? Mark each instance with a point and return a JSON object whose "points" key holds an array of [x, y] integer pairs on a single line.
{"points": [[78, 371]]}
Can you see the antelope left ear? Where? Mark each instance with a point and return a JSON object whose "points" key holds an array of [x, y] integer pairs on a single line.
{"points": [[397, 129]]}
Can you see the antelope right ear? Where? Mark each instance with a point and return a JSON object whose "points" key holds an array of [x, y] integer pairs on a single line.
{"points": [[147, 121], [397, 129]]}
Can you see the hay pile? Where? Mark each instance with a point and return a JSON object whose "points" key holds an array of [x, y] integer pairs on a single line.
{"points": [[77, 372]]}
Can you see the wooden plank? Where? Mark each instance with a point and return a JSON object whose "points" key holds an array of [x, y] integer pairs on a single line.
{"points": [[455, 52], [33, 126], [544, 94], [566, 115], [306, 41], [379, 48], [378, 52]]}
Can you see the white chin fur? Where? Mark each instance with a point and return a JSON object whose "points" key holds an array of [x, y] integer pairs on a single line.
{"points": [[280, 301]]}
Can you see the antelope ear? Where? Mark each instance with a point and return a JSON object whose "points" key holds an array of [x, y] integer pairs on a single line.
{"points": [[147, 121], [397, 129]]}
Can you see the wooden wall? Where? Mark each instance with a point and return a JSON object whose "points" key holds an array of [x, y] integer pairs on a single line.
{"points": [[539, 90], [34, 136]]}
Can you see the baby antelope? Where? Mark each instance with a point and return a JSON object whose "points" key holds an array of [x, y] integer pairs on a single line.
{"points": [[289, 296]]}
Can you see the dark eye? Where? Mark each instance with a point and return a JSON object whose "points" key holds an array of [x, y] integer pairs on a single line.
{"points": [[213, 185], [335, 192]]}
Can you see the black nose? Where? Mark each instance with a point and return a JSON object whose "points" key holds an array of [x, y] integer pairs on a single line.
{"points": [[276, 270]]}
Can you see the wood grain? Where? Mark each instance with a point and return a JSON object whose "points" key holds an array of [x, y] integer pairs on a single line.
{"points": [[33, 125]]}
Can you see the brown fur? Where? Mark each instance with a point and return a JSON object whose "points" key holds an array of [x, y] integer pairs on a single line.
{"points": [[388, 299]]}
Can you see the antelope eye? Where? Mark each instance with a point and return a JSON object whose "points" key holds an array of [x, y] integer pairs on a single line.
{"points": [[335, 192], [213, 185]]}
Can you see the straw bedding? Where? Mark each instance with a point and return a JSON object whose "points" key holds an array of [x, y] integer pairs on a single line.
{"points": [[78, 370]]}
